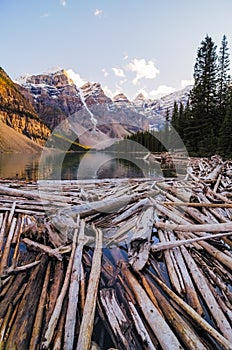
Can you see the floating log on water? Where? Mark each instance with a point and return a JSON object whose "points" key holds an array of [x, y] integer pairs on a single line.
{"points": [[124, 264]]}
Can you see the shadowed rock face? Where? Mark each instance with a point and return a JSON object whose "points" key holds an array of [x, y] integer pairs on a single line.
{"points": [[17, 112]]}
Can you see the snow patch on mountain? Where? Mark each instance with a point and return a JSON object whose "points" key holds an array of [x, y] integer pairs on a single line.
{"points": [[93, 120]]}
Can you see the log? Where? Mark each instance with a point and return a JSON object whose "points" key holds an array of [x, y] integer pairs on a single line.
{"points": [[19, 337], [69, 329], [86, 328], [6, 252], [58, 307], [181, 327], [36, 332], [169, 264], [117, 319], [170, 245], [162, 331], [54, 291], [141, 329], [207, 295], [42, 247], [139, 246], [198, 205], [3, 232], [195, 318], [224, 227]]}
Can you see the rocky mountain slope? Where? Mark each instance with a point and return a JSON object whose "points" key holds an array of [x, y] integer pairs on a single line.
{"points": [[12, 141], [17, 112], [55, 96], [93, 116]]}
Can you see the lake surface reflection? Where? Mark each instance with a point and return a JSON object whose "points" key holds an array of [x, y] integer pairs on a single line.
{"points": [[73, 166]]}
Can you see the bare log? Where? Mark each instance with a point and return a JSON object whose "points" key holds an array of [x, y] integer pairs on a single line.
{"points": [[43, 247], [36, 332], [224, 227], [5, 256], [58, 307], [195, 317], [163, 332], [207, 295], [139, 246], [69, 331], [86, 328], [19, 337]]}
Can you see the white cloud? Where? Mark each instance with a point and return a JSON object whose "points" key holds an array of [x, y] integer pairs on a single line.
{"points": [[118, 72], [105, 73], [63, 2], [162, 90], [142, 69], [185, 83], [97, 13], [76, 78]]}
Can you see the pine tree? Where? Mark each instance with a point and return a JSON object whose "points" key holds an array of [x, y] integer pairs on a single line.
{"points": [[201, 127], [223, 79], [225, 136]]}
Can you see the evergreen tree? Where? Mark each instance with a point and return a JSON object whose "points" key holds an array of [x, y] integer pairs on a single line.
{"points": [[223, 79], [225, 136], [201, 127]]}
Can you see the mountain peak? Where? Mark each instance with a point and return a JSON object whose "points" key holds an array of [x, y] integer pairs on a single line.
{"points": [[121, 98], [140, 97]]}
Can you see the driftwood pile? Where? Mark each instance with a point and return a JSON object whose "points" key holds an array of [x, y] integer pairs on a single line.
{"points": [[118, 264]]}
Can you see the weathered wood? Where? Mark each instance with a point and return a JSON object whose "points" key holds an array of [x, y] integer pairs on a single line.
{"points": [[86, 328], [36, 332], [42, 247], [181, 327], [138, 250], [163, 332], [117, 319], [58, 307], [141, 329], [224, 227], [200, 281], [6, 252], [19, 337], [169, 245], [195, 317], [69, 331]]}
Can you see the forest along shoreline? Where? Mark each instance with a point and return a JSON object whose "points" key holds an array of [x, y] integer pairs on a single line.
{"points": [[118, 263]]}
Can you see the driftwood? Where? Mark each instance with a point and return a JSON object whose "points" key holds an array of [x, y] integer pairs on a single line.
{"points": [[163, 227], [139, 246], [86, 328], [74, 291], [57, 310], [160, 328]]}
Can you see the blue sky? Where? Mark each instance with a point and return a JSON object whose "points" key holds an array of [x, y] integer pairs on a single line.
{"points": [[132, 46]]}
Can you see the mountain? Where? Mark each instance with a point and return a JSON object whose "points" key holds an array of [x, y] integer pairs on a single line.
{"points": [[13, 141], [17, 112], [156, 109], [95, 117]]}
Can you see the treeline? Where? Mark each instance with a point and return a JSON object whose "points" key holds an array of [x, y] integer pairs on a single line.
{"points": [[204, 124]]}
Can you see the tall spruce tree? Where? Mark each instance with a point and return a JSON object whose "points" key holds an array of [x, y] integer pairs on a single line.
{"points": [[201, 129], [223, 79], [225, 136]]}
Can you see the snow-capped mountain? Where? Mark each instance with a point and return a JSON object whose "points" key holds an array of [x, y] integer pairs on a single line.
{"points": [[57, 95]]}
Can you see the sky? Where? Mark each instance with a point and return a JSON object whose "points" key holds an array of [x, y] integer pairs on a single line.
{"points": [[129, 46]]}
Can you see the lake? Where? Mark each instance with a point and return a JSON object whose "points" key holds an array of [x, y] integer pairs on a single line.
{"points": [[73, 166]]}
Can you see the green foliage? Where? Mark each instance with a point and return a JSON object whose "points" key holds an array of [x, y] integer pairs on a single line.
{"points": [[204, 123]]}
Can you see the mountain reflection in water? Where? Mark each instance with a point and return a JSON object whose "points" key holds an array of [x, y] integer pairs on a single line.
{"points": [[72, 166]]}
